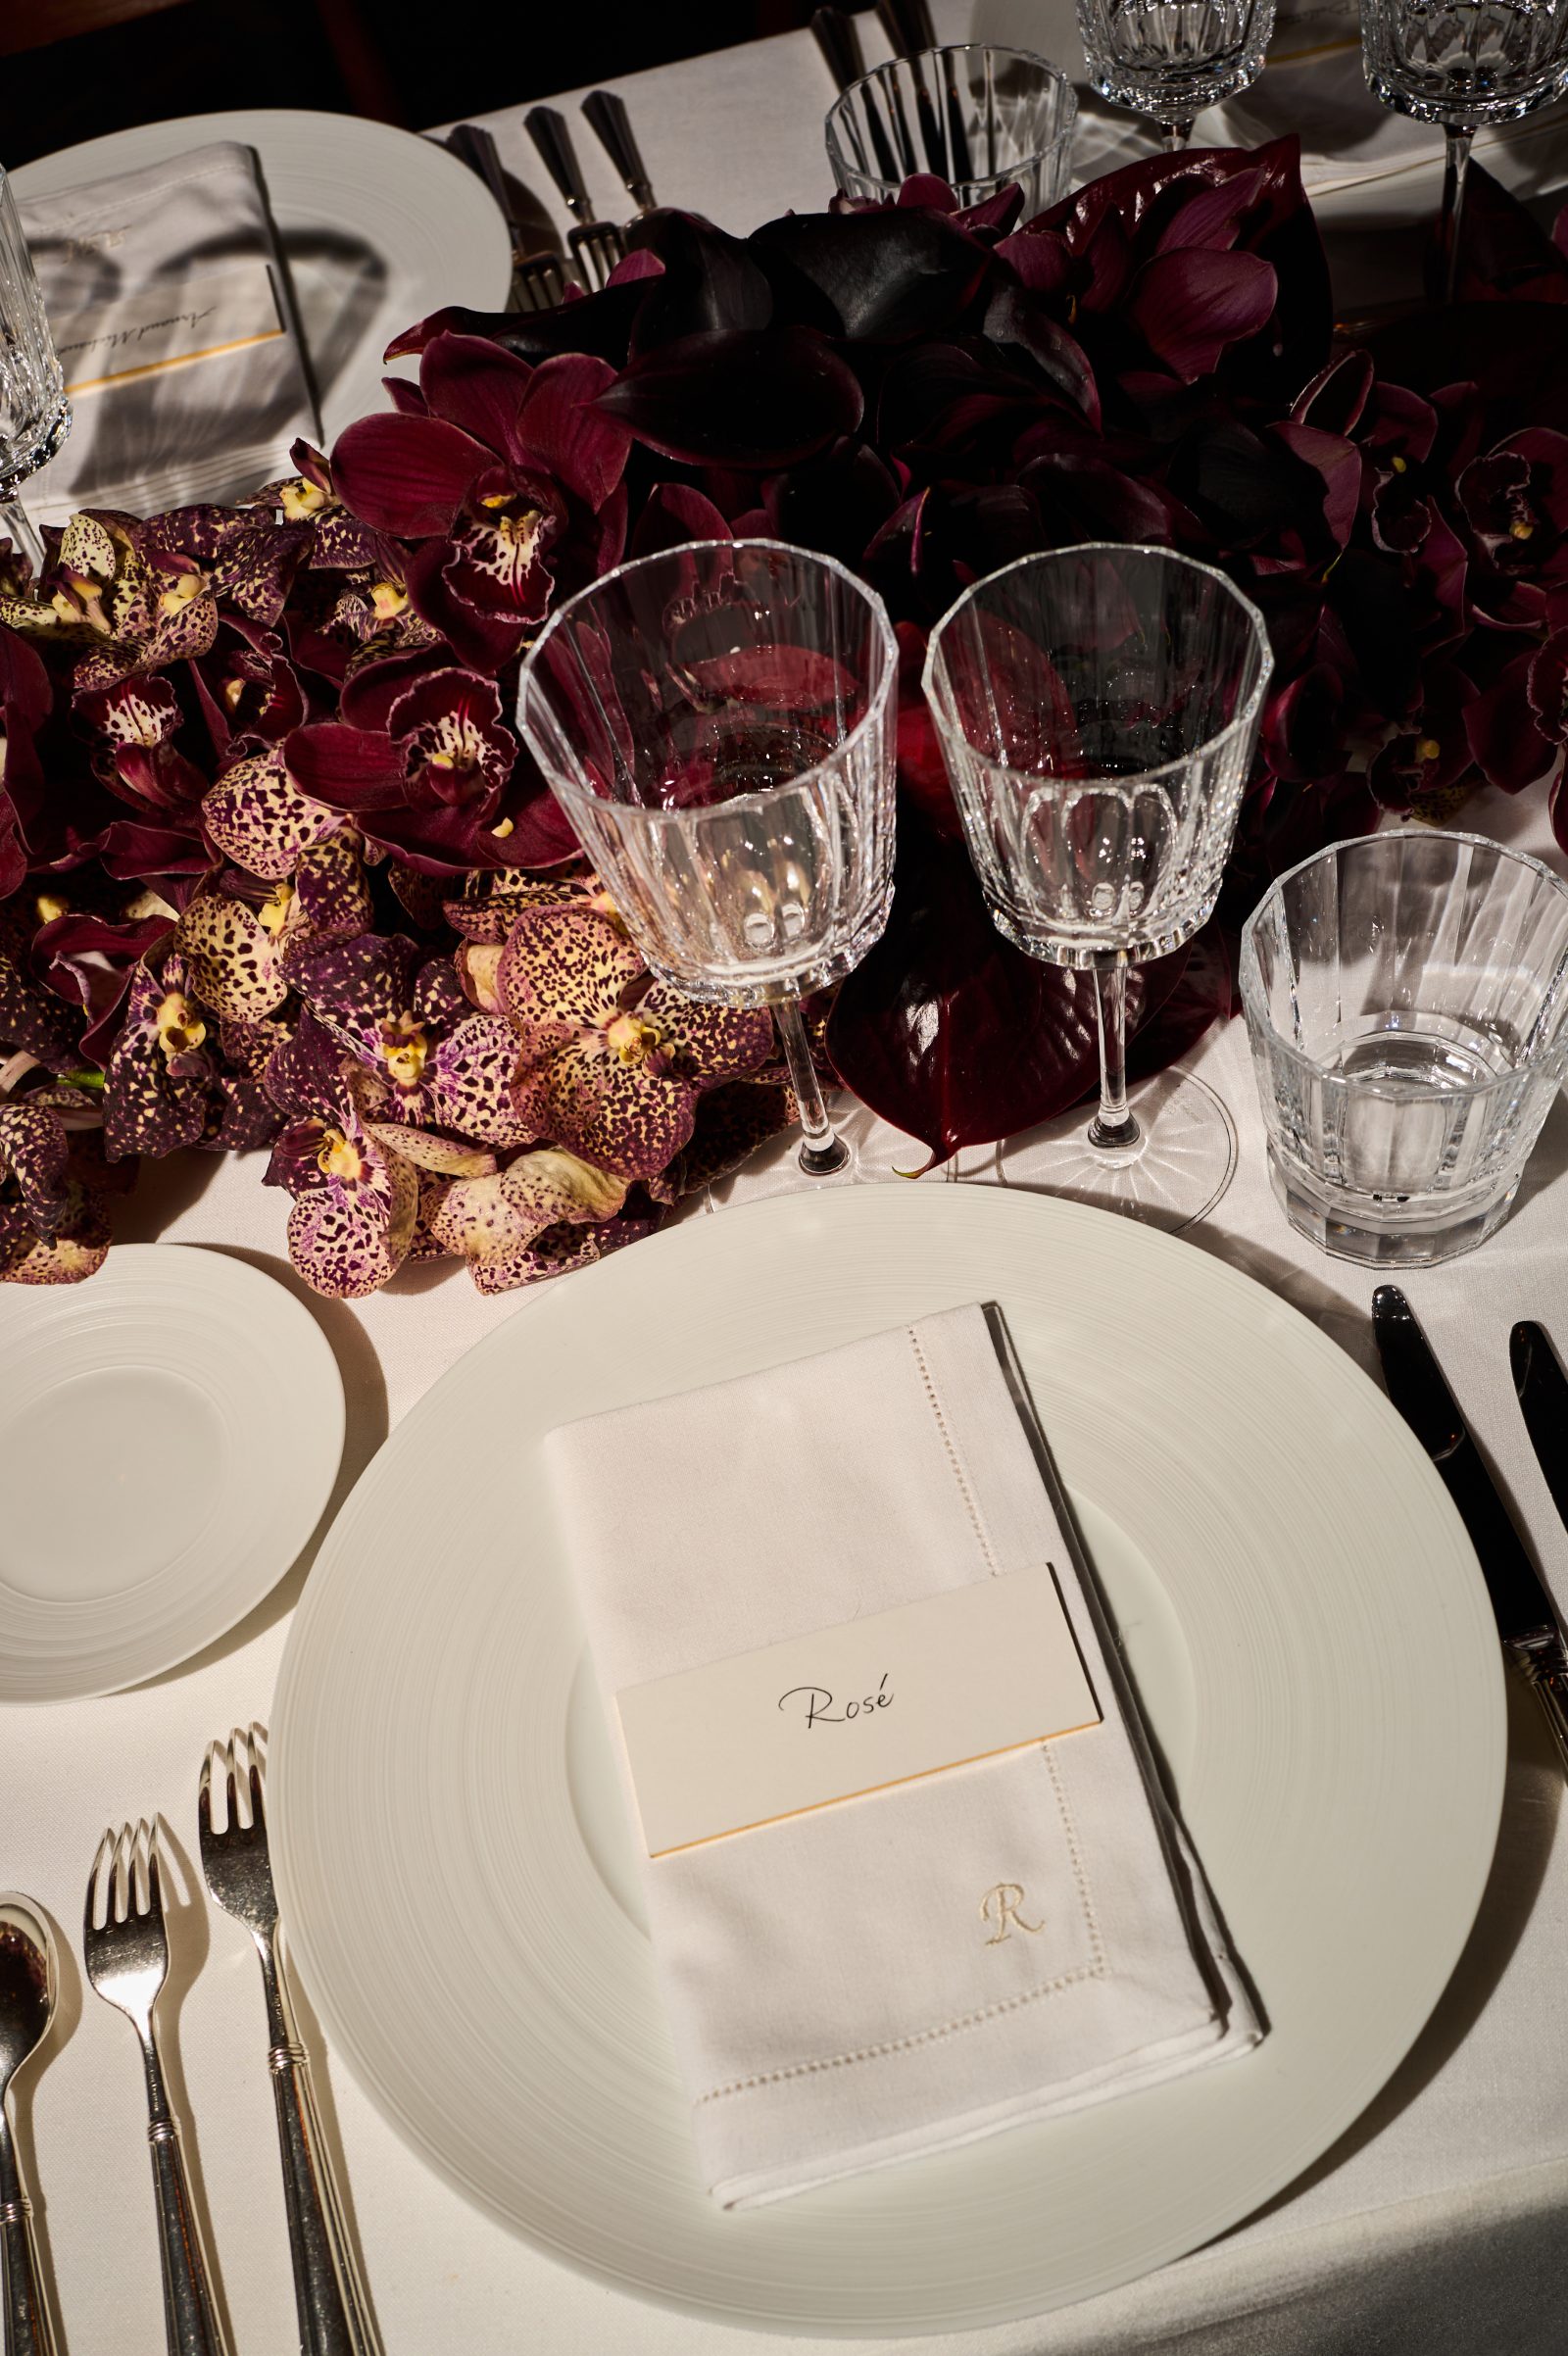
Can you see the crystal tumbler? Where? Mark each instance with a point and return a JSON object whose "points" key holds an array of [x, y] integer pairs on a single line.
{"points": [[980, 118], [718, 722], [1169, 58], [34, 414], [1406, 1000]]}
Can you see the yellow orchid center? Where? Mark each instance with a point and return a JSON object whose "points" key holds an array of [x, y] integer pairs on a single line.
{"points": [[301, 498], [1521, 531], [403, 1050], [630, 1039], [1400, 466], [337, 1158], [388, 599], [180, 592], [503, 829], [1427, 748], [179, 1027], [233, 691], [272, 914], [51, 906]]}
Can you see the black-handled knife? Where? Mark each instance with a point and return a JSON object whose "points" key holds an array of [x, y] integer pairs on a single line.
{"points": [[1543, 1389], [1526, 1623]]}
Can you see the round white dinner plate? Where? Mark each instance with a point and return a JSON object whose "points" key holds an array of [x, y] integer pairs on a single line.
{"points": [[170, 1432], [1304, 1615], [379, 227]]}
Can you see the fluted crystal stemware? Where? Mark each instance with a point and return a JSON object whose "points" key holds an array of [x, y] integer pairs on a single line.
{"points": [[718, 722], [1464, 64], [34, 414], [1169, 58], [1097, 708]]}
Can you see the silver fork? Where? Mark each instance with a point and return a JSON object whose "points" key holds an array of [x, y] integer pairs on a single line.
{"points": [[128, 1962], [334, 2310], [598, 245]]}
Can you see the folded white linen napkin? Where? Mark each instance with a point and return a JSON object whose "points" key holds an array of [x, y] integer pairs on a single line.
{"points": [[838, 1991], [177, 258]]}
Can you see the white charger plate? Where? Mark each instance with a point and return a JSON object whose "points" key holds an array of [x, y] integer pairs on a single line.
{"points": [[1302, 1613], [379, 227], [170, 1432]]}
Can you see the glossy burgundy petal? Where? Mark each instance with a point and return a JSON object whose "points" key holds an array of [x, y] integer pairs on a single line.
{"points": [[348, 768], [564, 428], [471, 382], [1508, 746], [1189, 306], [406, 476]]}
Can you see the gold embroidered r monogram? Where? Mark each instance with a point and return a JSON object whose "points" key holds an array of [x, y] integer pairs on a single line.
{"points": [[1002, 1905]]}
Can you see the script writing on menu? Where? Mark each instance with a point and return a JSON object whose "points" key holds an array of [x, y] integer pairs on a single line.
{"points": [[945, 1682]]}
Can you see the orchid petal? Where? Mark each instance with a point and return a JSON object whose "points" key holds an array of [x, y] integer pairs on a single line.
{"points": [[622, 1115], [427, 1153], [469, 1082], [708, 1043], [346, 1245], [34, 1148], [232, 960], [561, 969], [406, 476]]}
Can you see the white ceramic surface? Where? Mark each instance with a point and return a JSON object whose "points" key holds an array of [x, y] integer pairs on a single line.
{"points": [[1302, 1611], [378, 228], [170, 1433]]}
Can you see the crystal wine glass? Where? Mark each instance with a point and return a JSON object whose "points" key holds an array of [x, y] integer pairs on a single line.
{"points": [[1462, 64], [718, 722], [1097, 708], [34, 414], [1169, 58]]}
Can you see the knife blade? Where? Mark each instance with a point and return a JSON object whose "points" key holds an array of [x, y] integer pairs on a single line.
{"points": [[1526, 1623], [1543, 1391]]}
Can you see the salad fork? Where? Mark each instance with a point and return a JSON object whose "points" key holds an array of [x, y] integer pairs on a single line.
{"points": [[334, 2311], [128, 1962]]}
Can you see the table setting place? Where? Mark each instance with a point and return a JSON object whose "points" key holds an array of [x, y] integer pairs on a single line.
{"points": [[781, 1180]]}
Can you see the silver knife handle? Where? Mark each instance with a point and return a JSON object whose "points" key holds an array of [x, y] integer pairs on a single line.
{"points": [[608, 114], [1543, 1664], [329, 2297], [547, 128]]}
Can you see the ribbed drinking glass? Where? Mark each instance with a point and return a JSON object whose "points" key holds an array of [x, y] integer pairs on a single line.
{"points": [[34, 414], [1097, 708], [1169, 58], [1406, 1000], [1462, 64], [718, 722], [980, 118]]}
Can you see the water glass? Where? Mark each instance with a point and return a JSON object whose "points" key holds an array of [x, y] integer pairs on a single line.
{"points": [[1407, 1001], [1169, 58], [1097, 708], [980, 118], [34, 414], [718, 722], [1462, 64]]}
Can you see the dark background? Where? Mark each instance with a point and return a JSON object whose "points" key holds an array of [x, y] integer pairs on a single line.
{"points": [[73, 69]]}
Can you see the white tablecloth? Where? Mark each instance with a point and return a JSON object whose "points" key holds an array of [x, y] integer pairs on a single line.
{"points": [[1439, 2227]]}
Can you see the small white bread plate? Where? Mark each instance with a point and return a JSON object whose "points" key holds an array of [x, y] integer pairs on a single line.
{"points": [[170, 1432], [1302, 1611], [378, 228]]}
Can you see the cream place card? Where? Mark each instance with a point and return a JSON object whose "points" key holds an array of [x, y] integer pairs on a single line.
{"points": [[167, 325], [965, 1675]]}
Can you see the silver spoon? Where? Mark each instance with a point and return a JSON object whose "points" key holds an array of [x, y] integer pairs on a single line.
{"points": [[26, 2002]]}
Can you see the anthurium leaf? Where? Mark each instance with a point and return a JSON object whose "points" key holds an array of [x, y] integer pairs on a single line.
{"points": [[709, 281], [738, 397]]}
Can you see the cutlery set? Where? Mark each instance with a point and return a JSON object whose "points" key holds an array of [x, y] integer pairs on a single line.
{"points": [[126, 1948], [540, 275], [1527, 1622]]}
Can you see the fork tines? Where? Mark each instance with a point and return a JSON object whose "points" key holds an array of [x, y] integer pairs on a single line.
{"points": [[116, 1890], [538, 282], [598, 245]]}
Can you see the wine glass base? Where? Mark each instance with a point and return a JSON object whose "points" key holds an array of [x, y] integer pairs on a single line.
{"points": [[1171, 1179]]}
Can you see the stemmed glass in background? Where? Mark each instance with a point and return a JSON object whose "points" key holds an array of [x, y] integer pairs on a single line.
{"points": [[1169, 58], [980, 118], [718, 722], [1097, 708], [1464, 64], [34, 414]]}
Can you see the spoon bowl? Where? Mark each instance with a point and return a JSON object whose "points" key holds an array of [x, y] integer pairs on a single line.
{"points": [[28, 1980]]}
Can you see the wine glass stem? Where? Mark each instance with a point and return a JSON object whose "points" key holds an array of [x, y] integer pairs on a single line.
{"points": [[1112, 1126], [1177, 134], [822, 1150], [1455, 169], [18, 528]]}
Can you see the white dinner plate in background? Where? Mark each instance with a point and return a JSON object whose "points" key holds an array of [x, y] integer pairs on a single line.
{"points": [[1301, 1607], [170, 1433], [379, 227]]}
